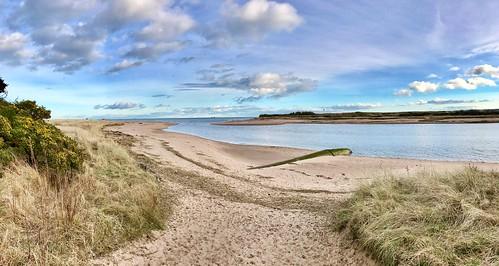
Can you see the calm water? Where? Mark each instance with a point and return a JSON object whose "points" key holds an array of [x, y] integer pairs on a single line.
{"points": [[475, 142]]}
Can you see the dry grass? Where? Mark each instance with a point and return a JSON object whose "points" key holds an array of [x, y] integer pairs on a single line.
{"points": [[113, 202], [430, 219]]}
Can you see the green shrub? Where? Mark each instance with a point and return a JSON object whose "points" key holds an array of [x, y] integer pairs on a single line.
{"points": [[31, 109], [25, 135]]}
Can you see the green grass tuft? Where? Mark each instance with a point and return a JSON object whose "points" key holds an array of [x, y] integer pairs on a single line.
{"points": [[430, 219]]}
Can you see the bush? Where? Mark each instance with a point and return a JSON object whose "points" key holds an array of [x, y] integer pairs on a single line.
{"points": [[31, 109], [26, 136]]}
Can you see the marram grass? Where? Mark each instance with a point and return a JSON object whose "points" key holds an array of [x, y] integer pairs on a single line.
{"points": [[112, 202], [430, 219]]}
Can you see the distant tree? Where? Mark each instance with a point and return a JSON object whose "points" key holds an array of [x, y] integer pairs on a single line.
{"points": [[3, 88]]}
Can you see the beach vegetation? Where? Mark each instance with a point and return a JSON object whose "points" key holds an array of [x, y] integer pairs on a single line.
{"points": [[112, 201], [3, 88], [428, 219], [26, 136], [67, 196]]}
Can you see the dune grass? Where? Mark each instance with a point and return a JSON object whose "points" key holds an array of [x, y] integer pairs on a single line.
{"points": [[430, 219], [113, 201]]}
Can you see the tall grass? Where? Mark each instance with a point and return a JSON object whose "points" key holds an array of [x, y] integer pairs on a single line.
{"points": [[430, 219], [112, 202]]}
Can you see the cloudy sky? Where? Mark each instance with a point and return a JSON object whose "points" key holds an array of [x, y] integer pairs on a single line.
{"points": [[191, 58]]}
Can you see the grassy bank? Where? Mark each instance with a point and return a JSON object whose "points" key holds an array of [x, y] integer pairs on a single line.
{"points": [[429, 219], [110, 202]]}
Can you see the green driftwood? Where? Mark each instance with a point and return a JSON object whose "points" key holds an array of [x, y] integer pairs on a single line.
{"points": [[328, 152]]}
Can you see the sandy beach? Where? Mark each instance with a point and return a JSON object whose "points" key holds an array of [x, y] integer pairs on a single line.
{"points": [[227, 214]]}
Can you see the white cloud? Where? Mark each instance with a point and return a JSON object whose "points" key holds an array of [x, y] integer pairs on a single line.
{"points": [[125, 64], [70, 34], [260, 85], [13, 48], [423, 86], [163, 23], [469, 84], [276, 85], [150, 51], [489, 48], [485, 69], [252, 21], [454, 68], [459, 83], [441, 101], [482, 82], [433, 76], [120, 106], [352, 107], [403, 92]]}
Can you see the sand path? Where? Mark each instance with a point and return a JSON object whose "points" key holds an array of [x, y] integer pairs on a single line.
{"points": [[229, 215]]}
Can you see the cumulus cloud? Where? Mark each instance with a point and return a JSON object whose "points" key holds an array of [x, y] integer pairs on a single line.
{"points": [[70, 34], [163, 22], [125, 64], [423, 86], [258, 86], [403, 92], [418, 86], [252, 21], [485, 69], [469, 84], [60, 43], [454, 68], [13, 48], [120, 106], [433, 76]]}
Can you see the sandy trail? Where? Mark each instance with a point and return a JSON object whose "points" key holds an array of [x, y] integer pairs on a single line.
{"points": [[229, 215]]}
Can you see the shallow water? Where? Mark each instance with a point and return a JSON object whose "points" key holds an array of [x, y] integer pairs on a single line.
{"points": [[463, 142]]}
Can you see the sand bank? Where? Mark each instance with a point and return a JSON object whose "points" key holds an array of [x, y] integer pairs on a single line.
{"points": [[282, 121]]}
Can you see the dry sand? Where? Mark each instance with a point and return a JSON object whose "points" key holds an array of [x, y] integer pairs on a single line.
{"points": [[229, 215]]}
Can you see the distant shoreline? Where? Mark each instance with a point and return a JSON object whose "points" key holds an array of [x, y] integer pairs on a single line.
{"points": [[436, 117]]}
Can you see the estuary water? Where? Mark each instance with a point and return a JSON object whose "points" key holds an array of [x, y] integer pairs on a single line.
{"points": [[459, 142]]}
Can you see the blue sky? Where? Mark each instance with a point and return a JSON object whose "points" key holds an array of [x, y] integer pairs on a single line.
{"points": [[192, 58]]}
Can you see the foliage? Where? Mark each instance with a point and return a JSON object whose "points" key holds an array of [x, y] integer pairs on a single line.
{"points": [[3, 87], [430, 219], [411, 114], [25, 135], [30, 108], [110, 203]]}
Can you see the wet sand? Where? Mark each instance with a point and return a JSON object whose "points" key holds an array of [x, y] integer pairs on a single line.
{"points": [[266, 216]]}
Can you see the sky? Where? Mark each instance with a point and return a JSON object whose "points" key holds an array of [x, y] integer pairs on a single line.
{"points": [[220, 58]]}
